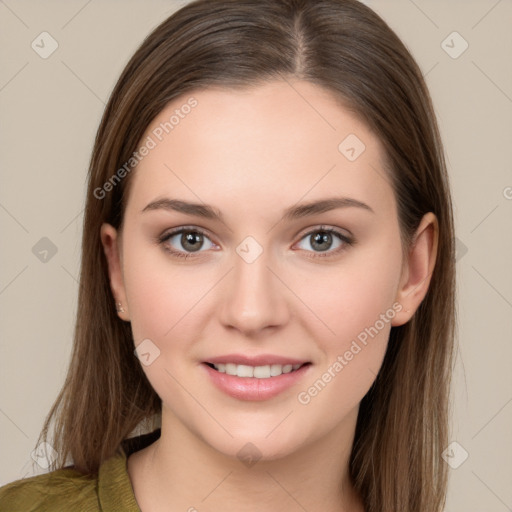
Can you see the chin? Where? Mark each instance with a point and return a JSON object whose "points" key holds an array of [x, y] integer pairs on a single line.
{"points": [[254, 445]]}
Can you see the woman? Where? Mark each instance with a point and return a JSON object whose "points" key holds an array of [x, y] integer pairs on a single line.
{"points": [[268, 264]]}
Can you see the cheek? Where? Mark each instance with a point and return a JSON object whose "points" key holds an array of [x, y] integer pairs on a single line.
{"points": [[162, 297], [356, 306], [356, 333], [352, 358], [165, 307], [352, 298]]}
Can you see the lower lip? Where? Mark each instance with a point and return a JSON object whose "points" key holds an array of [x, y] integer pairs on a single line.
{"points": [[251, 388]]}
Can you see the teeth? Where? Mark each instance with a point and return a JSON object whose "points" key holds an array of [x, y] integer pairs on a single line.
{"points": [[276, 369], [260, 372], [244, 371]]}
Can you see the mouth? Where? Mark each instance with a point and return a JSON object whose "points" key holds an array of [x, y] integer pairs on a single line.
{"points": [[255, 377], [259, 372]]}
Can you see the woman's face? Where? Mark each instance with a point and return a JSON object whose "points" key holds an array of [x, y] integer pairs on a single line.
{"points": [[256, 279]]}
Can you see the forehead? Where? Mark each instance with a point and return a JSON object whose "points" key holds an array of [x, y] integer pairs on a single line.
{"points": [[275, 143]]}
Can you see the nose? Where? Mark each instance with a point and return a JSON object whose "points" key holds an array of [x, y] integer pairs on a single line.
{"points": [[255, 297]]}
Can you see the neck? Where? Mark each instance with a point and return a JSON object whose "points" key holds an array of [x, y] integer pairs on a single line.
{"points": [[180, 471]]}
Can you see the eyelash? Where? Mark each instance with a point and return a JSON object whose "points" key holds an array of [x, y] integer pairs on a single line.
{"points": [[189, 229]]}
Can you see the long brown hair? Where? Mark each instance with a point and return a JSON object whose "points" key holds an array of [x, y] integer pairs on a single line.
{"points": [[345, 47]]}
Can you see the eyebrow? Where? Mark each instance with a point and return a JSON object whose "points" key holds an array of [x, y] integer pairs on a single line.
{"points": [[294, 212]]}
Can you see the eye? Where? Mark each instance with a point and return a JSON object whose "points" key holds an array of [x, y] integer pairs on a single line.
{"points": [[322, 239], [187, 242], [184, 242]]}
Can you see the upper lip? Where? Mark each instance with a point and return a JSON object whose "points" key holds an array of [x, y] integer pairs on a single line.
{"points": [[260, 360]]}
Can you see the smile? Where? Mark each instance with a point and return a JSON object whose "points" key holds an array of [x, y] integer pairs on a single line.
{"points": [[234, 376], [259, 372]]}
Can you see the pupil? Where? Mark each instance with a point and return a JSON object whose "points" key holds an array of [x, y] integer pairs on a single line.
{"points": [[193, 239], [322, 236]]}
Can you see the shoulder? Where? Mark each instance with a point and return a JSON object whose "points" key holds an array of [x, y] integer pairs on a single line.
{"points": [[67, 489], [63, 489]]}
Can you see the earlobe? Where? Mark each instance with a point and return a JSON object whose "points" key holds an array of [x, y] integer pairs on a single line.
{"points": [[110, 240], [418, 269]]}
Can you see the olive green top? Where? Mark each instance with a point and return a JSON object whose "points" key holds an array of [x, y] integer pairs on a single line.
{"points": [[68, 490]]}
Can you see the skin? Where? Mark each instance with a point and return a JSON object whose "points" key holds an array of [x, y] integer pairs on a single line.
{"points": [[252, 153]]}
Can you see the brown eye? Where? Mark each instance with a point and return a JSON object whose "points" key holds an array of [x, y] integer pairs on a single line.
{"points": [[191, 241]]}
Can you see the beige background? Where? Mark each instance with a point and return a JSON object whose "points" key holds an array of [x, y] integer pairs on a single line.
{"points": [[50, 109]]}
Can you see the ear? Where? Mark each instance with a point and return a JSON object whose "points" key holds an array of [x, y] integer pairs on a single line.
{"points": [[417, 269], [111, 241]]}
